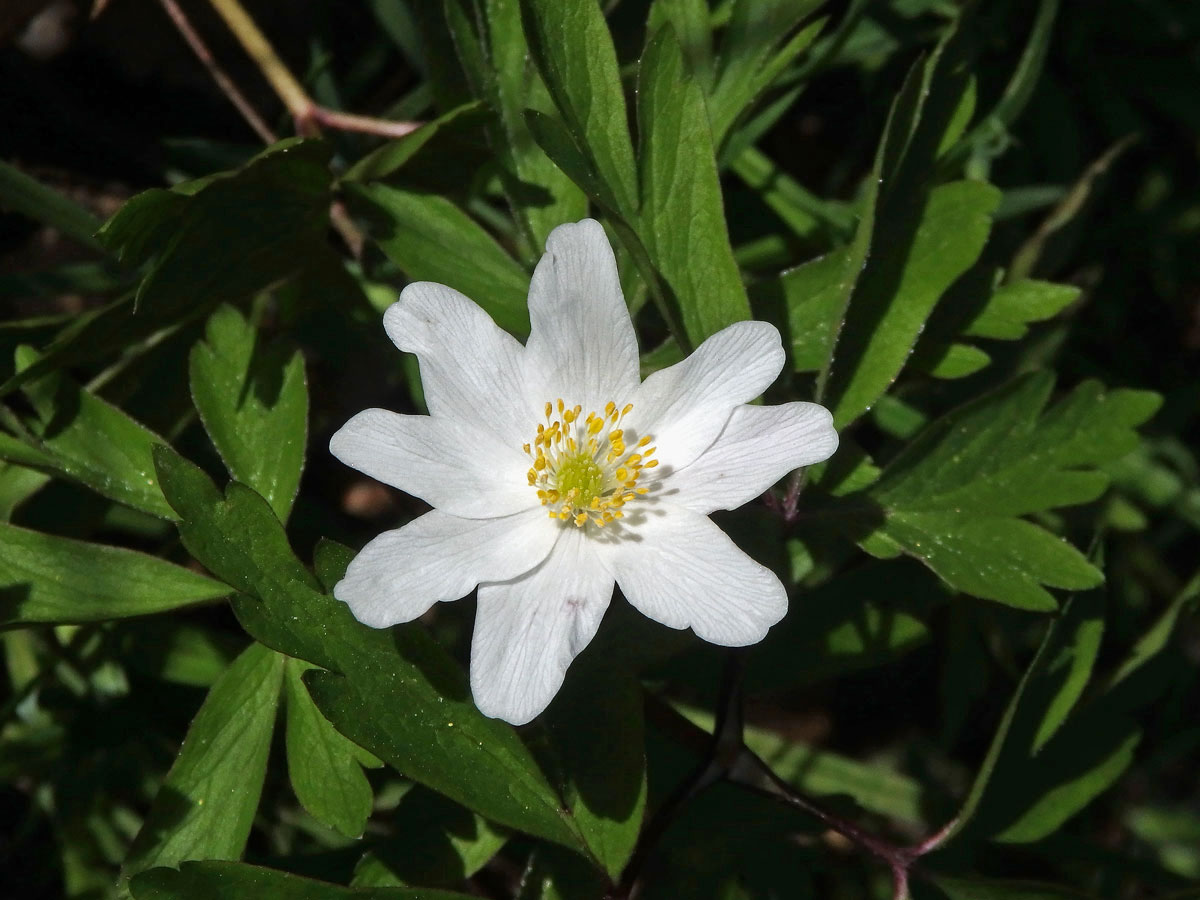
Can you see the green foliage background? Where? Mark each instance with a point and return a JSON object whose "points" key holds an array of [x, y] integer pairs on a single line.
{"points": [[975, 226]]}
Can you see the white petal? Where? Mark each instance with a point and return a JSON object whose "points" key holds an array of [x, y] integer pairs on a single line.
{"points": [[470, 367], [680, 569], [760, 444], [450, 465], [528, 630], [686, 406], [581, 344], [436, 557]]}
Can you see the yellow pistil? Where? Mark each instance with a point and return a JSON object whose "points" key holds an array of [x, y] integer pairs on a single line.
{"points": [[582, 470]]}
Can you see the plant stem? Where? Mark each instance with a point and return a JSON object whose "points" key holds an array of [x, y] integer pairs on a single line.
{"points": [[224, 82]]}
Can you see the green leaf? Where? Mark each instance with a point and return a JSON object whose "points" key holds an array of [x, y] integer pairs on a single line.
{"points": [[950, 498], [604, 781], [230, 235], [822, 773], [1072, 771], [400, 695], [680, 185], [690, 19], [254, 404], [21, 194], [206, 805], [239, 881], [431, 239], [45, 578], [994, 126], [396, 154], [1071, 658], [894, 297], [1011, 308], [435, 841], [17, 483], [73, 433], [1158, 635], [491, 44], [323, 765], [807, 215], [983, 889], [752, 58], [574, 51], [866, 616]]}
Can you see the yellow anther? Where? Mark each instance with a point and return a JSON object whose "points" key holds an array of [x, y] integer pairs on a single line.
{"points": [[626, 410], [609, 407], [645, 439], [651, 464], [549, 409], [581, 518]]}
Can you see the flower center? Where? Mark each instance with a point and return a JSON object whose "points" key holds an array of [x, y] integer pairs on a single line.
{"points": [[582, 469]]}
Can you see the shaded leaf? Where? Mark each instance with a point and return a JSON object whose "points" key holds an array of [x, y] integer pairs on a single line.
{"points": [[237, 881], [25, 195], [604, 781], [435, 842], [206, 805]]}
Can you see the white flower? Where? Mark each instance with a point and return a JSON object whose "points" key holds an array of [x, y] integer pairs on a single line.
{"points": [[553, 472]]}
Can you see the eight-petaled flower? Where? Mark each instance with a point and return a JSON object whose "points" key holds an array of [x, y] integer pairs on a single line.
{"points": [[554, 472]]}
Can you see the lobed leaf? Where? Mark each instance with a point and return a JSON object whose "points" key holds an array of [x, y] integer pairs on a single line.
{"points": [[398, 694], [951, 497], [206, 805], [323, 766], [253, 402]]}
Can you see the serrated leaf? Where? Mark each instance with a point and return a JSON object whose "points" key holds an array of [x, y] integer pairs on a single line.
{"points": [[680, 184], [206, 805], [73, 433], [574, 50], [950, 498], [51, 579], [253, 402], [238, 881], [322, 764], [431, 239], [400, 695]]}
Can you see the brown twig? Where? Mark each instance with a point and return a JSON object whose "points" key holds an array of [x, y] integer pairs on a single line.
{"points": [[310, 117], [224, 82]]}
